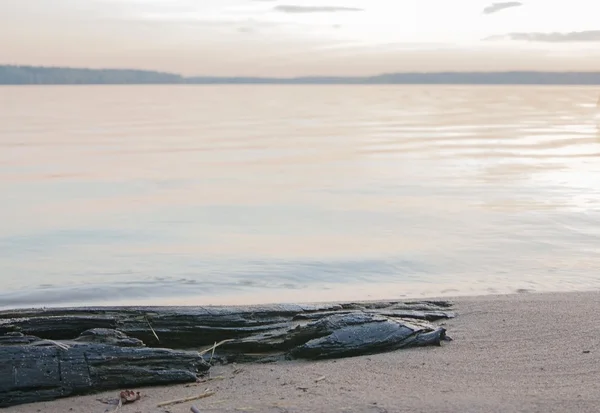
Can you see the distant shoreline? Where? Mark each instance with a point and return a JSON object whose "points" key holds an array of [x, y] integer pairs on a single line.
{"points": [[40, 75]]}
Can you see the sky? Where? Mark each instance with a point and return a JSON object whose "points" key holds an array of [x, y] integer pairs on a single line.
{"points": [[302, 37]]}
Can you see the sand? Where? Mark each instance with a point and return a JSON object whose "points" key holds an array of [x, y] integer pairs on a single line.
{"points": [[513, 353]]}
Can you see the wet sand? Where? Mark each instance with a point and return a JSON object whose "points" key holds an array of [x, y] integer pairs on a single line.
{"points": [[511, 353]]}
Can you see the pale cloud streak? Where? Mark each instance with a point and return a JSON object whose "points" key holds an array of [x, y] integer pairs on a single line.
{"points": [[496, 7], [313, 9], [584, 36]]}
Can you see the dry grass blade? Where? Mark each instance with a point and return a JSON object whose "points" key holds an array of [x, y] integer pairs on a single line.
{"points": [[56, 343], [212, 354], [320, 379], [187, 399], [153, 332], [213, 347]]}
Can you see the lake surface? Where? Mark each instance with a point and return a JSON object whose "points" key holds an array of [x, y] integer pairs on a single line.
{"points": [[254, 194]]}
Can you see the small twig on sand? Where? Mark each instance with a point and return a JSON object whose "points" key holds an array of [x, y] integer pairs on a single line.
{"points": [[212, 348], [320, 379], [213, 378], [236, 369], [153, 332], [187, 399], [200, 381]]}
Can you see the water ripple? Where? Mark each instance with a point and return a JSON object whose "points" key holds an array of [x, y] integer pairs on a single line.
{"points": [[250, 194]]}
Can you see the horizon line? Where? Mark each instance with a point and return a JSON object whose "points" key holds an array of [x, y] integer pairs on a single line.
{"points": [[379, 74], [64, 75]]}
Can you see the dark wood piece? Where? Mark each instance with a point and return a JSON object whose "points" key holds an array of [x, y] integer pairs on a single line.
{"points": [[116, 347]]}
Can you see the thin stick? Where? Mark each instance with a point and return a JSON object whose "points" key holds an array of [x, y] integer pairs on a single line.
{"points": [[153, 332], [203, 352], [320, 379], [213, 353], [187, 399]]}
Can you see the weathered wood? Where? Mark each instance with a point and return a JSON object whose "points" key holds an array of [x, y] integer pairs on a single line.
{"points": [[194, 327], [344, 335], [42, 370], [109, 351]]}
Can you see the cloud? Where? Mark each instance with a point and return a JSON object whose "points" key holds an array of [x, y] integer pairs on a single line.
{"points": [[496, 7], [556, 37], [313, 9]]}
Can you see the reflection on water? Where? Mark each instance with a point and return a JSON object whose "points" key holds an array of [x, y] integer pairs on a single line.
{"points": [[200, 195]]}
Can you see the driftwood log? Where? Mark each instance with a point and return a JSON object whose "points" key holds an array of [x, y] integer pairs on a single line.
{"points": [[34, 370], [51, 353]]}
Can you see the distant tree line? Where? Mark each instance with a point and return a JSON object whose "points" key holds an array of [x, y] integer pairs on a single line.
{"points": [[34, 75], [497, 78]]}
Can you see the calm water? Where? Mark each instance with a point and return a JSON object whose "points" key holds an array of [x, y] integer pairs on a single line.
{"points": [[198, 195]]}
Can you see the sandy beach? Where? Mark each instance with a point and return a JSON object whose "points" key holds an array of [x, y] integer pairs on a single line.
{"points": [[513, 353]]}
